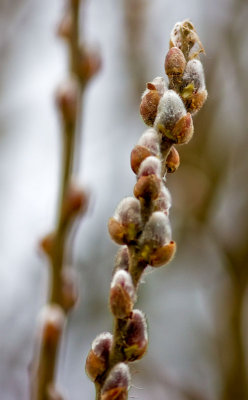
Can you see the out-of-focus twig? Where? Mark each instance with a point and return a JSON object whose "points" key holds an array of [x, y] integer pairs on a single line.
{"points": [[83, 64]]}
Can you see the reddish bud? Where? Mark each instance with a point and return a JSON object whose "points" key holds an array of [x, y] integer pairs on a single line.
{"points": [[162, 255], [139, 153], [183, 130], [174, 62], [97, 359], [148, 106], [147, 187], [75, 202], [150, 166], [67, 101], [151, 141], [47, 243], [69, 289], [52, 319], [122, 294], [116, 231], [117, 383], [136, 340], [65, 26], [172, 160], [89, 63]]}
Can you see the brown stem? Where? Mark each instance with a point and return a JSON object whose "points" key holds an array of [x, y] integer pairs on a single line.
{"points": [[45, 370]]}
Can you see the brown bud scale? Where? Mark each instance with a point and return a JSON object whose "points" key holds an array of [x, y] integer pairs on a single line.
{"points": [[175, 62], [149, 106], [172, 160], [195, 102], [183, 130], [139, 153], [116, 231], [163, 255], [147, 187]]}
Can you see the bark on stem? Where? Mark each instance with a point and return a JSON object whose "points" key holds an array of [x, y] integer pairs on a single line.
{"points": [[45, 367]]}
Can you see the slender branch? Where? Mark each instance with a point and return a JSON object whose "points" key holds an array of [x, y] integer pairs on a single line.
{"points": [[82, 66], [141, 223]]}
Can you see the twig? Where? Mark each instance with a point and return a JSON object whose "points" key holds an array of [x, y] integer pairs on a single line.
{"points": [[83, 64], [140, 224]]}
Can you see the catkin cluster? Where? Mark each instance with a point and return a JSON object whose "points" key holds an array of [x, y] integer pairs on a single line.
{"points": [[140, 223]]}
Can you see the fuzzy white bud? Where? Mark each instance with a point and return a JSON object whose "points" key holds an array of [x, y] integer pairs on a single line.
{"points": [[157, 231], [170, 110], [194, 74], [128, 211], [102, 344], [163, 202], [150, 140], [160, 84], [119, 377], [123, 278], [150, 166], [122, 294]]}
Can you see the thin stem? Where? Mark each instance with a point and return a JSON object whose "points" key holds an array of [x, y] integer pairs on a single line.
{"points": [[61, 231], [48, 352]]}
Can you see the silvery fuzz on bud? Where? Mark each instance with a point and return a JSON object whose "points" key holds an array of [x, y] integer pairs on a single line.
{"points": [[150, 166], [150, 140], [126, 222], [157, 230], [97, 359], [148, 145], [52, 319], [163, 201], [184, 36], [128, 211], [136, 339], [117, 383], [194, 91], [147, 188], [170, 110], [194, 74], [158, 84], [122, 294]]}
